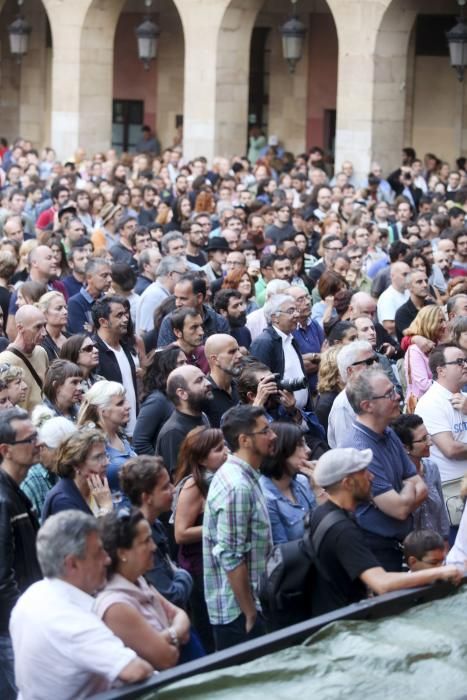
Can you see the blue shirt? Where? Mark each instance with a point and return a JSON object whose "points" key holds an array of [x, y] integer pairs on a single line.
{"points": [[310, 339], [287, 517], [79, 311], [390, 466], [117, 459]]}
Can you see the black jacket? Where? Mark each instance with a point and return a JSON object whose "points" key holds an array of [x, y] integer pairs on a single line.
{"points": [[108, 365], [155, 411], [267, 348], [19, 567]]}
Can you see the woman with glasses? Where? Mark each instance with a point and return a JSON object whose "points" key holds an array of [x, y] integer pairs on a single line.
{"points": [[82, 351], [54, 308], [201, 454], [430, 324], [105, 406], [432, 513], [42, 477], [62, 390], [133, 609], [156, 407], [81, 463], [287, 483]]}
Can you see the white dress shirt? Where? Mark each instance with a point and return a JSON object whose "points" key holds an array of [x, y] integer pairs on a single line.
{"points": [[63, 651], [292, 367]]}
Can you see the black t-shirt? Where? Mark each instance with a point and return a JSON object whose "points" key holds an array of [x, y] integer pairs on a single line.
{"points": [[343, 556], [199, 259]]}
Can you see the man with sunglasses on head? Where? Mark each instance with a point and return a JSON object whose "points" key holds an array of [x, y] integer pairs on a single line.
{"points": [[397, 490], [351, 360], [19, 567]]}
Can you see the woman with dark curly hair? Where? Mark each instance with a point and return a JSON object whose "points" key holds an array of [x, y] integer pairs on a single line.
{"points": [[156, 408], [81, 349]]}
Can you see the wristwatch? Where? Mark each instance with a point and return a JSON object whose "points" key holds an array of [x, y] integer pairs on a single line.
{"points": [[173, 637]]}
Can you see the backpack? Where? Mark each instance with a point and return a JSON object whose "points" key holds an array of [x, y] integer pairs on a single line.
{"points": [[285, 587]]}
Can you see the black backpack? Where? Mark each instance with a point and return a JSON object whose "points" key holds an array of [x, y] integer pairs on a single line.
{"points": [[285, 587]]}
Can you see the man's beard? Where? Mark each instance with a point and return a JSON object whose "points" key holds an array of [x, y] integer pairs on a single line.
{"points": [[199, 403], [237, 321]]}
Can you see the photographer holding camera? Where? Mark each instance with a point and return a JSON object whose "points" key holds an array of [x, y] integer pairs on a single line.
{"points": [[258, 386], [277, 348]]}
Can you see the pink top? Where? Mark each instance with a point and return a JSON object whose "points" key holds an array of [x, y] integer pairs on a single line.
{"points": [[420, 371], [141, 596]]}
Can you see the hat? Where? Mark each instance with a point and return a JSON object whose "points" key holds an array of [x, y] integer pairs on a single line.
{"points": [[67, 207], [217, 243], [109, 210], [336, 464]]}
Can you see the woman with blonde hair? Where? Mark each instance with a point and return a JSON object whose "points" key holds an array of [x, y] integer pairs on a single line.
{"points": [[105, 407], [430, 324], [54, 308], [329, 384], [81, 463]]}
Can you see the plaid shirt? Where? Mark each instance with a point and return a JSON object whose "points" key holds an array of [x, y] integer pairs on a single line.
{"points": [[236, 529], [37, 485]]}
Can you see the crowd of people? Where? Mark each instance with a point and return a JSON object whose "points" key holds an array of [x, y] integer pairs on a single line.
{"points": [[202, 362]]}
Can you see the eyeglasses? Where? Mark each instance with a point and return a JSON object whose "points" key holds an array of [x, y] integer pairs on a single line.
{"points": [[264, 431], [289, 312], [355, 257], [368, 362], [391, 394], [26, 441], [4, 367], [460, 362], [425, 438], [330, 247], [88, 348]]}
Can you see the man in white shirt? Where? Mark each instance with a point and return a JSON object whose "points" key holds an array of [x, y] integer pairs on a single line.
{"points": [[443, 409], [394, 296], [256, 320], [353, 358], [277, 348], [62, 649], [168, 273]]}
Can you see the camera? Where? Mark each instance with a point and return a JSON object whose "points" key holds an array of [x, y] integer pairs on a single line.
{"points": [[291, 384]]}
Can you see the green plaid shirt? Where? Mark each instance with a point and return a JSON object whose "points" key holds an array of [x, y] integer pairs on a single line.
{"points": [[236, 529], [37, 485]]}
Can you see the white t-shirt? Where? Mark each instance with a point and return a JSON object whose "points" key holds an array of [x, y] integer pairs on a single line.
{"points": [[439, 416], [127, 381], [340, 421], [63, 651], [292, 367], [389, 302]]}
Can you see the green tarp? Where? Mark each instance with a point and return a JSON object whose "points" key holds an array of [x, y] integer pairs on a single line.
{"points": [[420, 654]]}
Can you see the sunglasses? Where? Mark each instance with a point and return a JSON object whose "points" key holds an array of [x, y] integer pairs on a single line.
{"points": [[89, 348], [26, 441]]}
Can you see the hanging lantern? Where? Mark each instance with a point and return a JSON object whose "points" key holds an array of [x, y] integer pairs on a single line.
{"points": [[147, 34], [18, 32]]}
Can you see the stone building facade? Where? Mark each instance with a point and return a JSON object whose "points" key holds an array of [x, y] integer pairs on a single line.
{"points": [[375, 76]]}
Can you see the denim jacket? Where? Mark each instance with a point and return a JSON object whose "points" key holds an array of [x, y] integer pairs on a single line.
{"points": [[287, 517]]}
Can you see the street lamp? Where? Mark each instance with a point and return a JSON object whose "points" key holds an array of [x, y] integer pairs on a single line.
{"points": [[457, 42], [293, 38], [18, 33], [147, 34]]}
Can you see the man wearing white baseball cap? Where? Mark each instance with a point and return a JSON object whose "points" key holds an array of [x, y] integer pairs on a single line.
{"points": [[346, 565]]}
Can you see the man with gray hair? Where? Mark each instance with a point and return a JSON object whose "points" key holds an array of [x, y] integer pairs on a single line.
{"points": [[98, 279], [256, 320], [397, 489], [352, 359], [277, 348], [169, 271], [456, 306], [62, 649]]}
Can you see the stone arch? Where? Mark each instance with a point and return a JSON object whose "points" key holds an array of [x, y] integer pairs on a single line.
{"points": [[25, 88]]}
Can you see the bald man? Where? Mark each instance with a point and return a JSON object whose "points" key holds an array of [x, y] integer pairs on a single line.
{"points": [[190, 392], [363, 304], [394, 296], [25, 352], [225, 364]]}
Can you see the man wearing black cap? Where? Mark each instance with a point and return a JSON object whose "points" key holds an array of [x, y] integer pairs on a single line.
{"points": [[346, 566], [217, 250]]}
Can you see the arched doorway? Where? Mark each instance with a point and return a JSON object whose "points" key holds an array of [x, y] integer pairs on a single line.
{"points": [[25, 89]]}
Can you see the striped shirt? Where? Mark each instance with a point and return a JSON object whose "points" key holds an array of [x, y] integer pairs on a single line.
{"points": [[236, 529], [37, 485]]}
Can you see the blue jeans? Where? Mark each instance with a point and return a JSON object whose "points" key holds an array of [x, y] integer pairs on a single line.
{"points": [[8, 689]]}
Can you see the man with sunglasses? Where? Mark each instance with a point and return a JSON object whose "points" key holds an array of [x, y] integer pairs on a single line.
{"points": [[352, 359], [19, 567], [397, 490]]}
